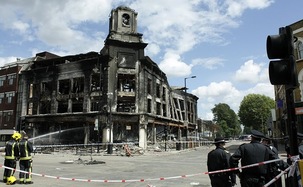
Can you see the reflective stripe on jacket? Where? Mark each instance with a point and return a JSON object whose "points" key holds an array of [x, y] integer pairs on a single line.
{"points": [[26, 149], [11, 150]]}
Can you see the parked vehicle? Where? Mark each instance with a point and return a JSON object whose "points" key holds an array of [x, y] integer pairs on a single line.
{"points": [[245, 137]]}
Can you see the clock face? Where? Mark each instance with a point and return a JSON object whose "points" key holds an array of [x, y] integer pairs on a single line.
{"points": [[125, 20]]}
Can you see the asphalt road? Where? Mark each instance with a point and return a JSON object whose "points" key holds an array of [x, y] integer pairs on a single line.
{"points": [[158, 169]]}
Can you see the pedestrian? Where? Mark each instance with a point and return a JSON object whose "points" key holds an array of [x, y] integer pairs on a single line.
{"points": [[25, 163], [11, 157], [252, 153], [218, 159], [276, 167]]}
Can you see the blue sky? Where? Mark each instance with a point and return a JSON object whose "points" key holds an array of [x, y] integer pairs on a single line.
{"points": [[221, 42]]}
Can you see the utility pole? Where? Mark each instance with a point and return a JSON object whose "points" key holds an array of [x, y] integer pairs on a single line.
{"points": [[186, 109]]}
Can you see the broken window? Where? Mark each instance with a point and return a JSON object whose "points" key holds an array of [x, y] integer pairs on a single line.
{"points": [[176, 103], [30, 108], [149, 105], [7, 116], [126, 104], [149, 86], [2, 79], [1, 97], [77, 104], [126, 83], [31, 91], [78, 85], [164, 110], [10, 96], [46, 88], [158, 90], [95, 104], [96, 83], [158, 110], [11, 79], [45, 107], [62, 107], [164, 94], [182, 104], [64, 86]]}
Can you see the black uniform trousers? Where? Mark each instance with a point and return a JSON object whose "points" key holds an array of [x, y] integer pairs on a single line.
{"points": [[25, 165], [218, 180], [8, 172], [252, 181]]}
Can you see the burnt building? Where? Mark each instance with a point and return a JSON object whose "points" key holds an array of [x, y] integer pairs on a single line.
{"points": [[117, 94]]}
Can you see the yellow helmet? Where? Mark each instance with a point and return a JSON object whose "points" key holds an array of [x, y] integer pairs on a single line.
{"points": [[11, 180], [16, 136]]}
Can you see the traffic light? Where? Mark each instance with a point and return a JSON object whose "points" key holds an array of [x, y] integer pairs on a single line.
{"points": [[282, 71]]}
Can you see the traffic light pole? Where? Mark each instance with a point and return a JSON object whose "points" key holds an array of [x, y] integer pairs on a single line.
{"points": [[292, 129], [282, 71]]}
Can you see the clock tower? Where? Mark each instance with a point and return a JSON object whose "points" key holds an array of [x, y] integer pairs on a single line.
{"points": [[123, 25]]}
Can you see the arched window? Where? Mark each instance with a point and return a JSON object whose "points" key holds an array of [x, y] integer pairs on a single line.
{"points": [[300, 50]]}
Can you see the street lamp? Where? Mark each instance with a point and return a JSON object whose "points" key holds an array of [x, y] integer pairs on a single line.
{"points": [[110, 121], [185, 106]]}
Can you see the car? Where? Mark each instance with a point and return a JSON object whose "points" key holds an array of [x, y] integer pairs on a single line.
{"points": [[245, 137]]}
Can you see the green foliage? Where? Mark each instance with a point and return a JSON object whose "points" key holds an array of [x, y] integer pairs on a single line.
{"points": [[254, 112], [227, 119]]}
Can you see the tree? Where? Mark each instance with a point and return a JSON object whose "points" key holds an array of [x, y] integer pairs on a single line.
{"points": [[227, 119], [254, 112]]}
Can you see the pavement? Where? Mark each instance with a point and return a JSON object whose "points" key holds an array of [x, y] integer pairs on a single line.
{"points": [[183, 168]]}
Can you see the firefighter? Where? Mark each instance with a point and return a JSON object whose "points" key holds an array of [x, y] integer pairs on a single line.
{"points": [[11, 156], [26, 148]]}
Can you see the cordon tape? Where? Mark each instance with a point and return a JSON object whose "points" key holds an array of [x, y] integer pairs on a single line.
{"points": [[153, 179]]}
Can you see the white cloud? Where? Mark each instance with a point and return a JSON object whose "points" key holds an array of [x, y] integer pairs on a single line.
{"points": [[236, 8], [173, 66], [208, 63], [214, 93], [152, 49], [262, 88], [250, 72], [58, 24], [6, 60], [225, 92]]}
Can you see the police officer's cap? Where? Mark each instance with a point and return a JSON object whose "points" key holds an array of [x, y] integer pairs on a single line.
{"points": [[220, 140], [257, 134]]}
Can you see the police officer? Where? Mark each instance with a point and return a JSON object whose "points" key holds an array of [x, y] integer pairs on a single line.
{"points": [[218, 159], [252, 153], [11, 156], [26, 148], [274, 167]]}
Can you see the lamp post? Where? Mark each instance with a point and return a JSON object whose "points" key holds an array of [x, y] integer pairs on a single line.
{"points": [[185, 107], [110, 144], [99, 107]]}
